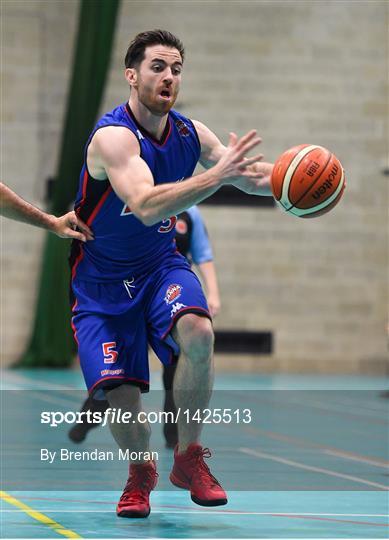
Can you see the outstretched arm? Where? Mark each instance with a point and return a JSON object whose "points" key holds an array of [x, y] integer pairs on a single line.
{"points": [[212, 150], [116, 151], [14, 207]]}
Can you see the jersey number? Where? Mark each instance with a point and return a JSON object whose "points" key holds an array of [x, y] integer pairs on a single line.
{"points": [[110, 355], [170, 224]]}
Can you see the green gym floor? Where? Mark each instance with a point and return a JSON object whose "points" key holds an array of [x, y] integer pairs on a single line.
{"points": [[312, 463]]}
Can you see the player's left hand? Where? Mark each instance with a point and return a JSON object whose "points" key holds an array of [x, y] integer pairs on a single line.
{"points": [[66, 225], [256, 186]]}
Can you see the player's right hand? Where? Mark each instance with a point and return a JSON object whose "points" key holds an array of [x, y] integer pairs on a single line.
{"points": [[234, 163], [65, 227]]}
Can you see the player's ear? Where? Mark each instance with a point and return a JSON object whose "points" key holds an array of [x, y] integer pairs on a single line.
{"points": [[131, 76]]}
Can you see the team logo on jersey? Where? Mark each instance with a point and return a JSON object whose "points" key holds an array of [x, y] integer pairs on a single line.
{"points": [[183, 129], [176, 307], [181, 226], [173, 292]]}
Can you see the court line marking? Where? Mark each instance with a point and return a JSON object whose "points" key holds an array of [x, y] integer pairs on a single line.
{"points": [[175, 508], [194, 511], [297, 464], [336, 407], [322, 409], [370, 523], [38, 516], [352, 457], [57, 400], [310, 444], [23, 379]]}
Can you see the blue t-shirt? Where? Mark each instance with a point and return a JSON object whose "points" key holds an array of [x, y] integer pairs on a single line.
{"points": [[123, 246], [199, 246]]}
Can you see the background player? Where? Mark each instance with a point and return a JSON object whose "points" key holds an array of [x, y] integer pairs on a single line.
{"points": [[193, 243], [14, 207], [130, 286]]}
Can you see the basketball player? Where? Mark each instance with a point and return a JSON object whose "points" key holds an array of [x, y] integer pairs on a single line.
{"points": [[193, 243], [14, 207], [130, 286]]}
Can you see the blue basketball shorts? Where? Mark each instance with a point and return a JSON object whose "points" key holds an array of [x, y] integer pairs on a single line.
{"points": [[115, 322]]}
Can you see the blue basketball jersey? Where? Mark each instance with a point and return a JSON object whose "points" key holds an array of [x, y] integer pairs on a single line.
{"points": [[123, 246]]}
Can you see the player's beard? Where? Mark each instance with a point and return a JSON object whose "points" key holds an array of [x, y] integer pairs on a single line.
{"points": [[149, 99]]}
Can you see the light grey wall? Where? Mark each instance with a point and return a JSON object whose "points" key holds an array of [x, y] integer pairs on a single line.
{"points": [[299, 72], [37, 40]]}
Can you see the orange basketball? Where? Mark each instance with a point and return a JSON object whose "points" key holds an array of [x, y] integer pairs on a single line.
{"points": [[307, 180]]}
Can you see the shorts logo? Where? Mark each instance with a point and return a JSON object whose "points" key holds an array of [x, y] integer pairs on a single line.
{"points": [[176, 307], [173, 292], [129, 285], [111, 372]]}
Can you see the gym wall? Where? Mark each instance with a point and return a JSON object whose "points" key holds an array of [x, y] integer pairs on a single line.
{"points": [[299, 72]]}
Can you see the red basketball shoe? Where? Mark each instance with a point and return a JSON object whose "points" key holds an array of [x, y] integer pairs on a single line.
{"points": [[134, 502], [190, 472]]}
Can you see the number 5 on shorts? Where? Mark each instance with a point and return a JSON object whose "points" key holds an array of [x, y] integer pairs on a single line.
{"points": [[110, 355]]}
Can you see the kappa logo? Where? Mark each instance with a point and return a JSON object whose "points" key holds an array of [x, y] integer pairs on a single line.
{"points": [[173, 292], [176, 307], [129, 285]]}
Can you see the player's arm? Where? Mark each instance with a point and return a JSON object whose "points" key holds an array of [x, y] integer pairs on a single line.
{"points": [[116, 149], [202, 255], [212, 150], [208, 273], [14, 207]]}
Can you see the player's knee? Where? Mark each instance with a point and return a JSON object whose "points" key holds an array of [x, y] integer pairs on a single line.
{"points": [[195, 336], [123, 396]]}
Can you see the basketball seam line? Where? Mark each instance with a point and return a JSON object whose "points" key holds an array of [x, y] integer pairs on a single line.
{"points": [[311, 186], [335, 196], [297, 159]]}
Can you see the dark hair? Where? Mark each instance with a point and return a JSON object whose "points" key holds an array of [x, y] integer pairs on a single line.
{"points": [[136, 50]]}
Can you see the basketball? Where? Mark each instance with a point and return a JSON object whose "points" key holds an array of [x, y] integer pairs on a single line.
{"points": [[307, 181]]}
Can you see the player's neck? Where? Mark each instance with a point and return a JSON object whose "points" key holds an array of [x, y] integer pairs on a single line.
{"points": [[155, 125]]}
